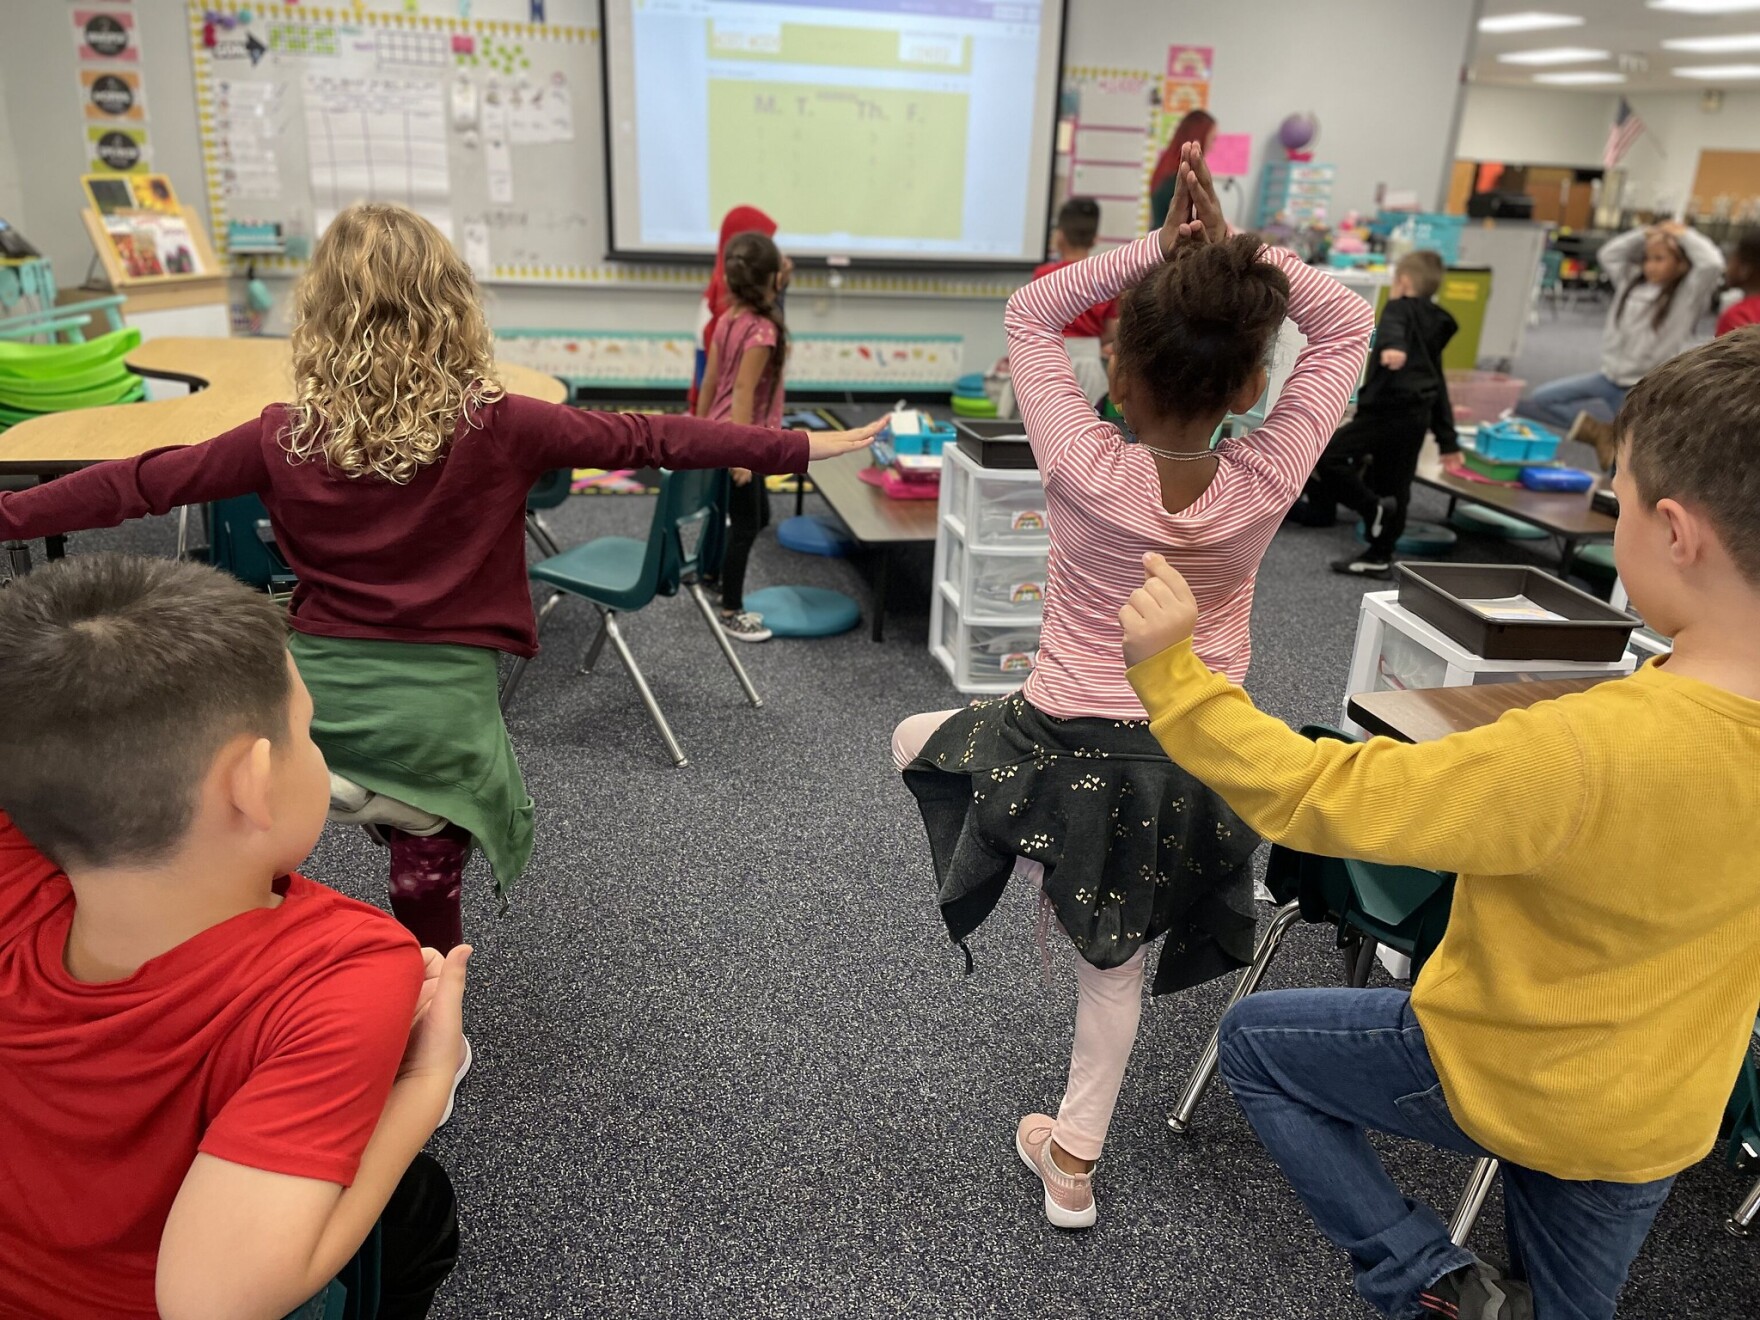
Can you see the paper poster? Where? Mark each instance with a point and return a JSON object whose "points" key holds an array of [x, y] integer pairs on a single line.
{"points": [[475, 245], [109, 95], [559, 108], [1181, 98], [106, 35], [1190, 63], [118, 150], [497, 155], [248, 123], [1229, 154], [526, 120], [153, 192], [380, 139]]}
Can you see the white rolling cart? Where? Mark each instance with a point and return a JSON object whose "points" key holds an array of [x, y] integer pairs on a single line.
{"points": [[991, 548]]}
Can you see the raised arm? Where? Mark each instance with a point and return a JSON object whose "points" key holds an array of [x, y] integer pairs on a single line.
{"points": [[1623, 257], [1052, 404], [1338, 325], [1705, 266], [552, 435], [106, 494]]}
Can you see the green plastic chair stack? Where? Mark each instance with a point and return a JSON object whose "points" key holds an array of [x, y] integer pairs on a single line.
{"points": [[48, 378]]}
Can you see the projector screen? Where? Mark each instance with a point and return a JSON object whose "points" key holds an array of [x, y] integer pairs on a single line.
{"points": [[901, 130]]}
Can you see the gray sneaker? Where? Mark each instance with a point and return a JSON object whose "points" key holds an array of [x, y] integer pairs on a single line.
{"points": [[744, 626]]}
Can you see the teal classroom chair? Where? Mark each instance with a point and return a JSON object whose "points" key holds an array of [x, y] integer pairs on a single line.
{"points": [[620, 575], [547, 492], [1373, 904]]}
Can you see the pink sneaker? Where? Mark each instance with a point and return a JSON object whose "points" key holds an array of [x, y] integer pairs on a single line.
{"points": [[1069, 1197]]}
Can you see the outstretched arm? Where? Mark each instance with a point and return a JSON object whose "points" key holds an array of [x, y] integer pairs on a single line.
{"points": [[106, 494], [554, 435]]}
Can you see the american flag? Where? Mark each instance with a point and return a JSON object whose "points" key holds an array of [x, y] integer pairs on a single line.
{"points": [[1626, 128]]}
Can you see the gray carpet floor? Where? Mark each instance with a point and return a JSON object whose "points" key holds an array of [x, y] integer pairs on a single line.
{"points": [[727, 1065]]}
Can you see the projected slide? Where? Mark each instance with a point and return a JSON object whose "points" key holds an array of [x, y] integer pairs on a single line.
{"points": [[895, 128]]}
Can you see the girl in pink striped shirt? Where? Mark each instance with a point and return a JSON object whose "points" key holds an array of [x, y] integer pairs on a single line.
{"points": [[1064, 775]]}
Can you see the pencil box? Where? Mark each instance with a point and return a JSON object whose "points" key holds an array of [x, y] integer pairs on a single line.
{"points": [[1557, 479], [1516, 440]]}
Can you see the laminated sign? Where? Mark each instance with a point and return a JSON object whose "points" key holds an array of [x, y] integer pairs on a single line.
{"points": [[106, 34], [118, 150], [111, 94]]}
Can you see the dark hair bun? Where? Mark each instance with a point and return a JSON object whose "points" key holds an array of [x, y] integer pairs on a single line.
{"points": [[1192, 332]]}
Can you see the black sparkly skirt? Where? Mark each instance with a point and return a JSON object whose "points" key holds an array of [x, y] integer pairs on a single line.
{"points": [[1133, 847]]}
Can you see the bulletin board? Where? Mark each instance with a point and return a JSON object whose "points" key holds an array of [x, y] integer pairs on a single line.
{"points": [[489, 128]]}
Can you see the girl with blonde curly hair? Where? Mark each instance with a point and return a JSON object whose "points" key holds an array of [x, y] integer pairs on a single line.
{"points": [[396, 485]]}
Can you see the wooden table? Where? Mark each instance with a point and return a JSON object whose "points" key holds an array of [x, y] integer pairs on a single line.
{"points": [[873, 519], [231, 381], [1421, 714], [1569, 519]]}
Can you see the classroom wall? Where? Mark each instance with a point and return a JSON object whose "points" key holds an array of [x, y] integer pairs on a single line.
{"points": [[1661, 164], [1536, 126], [11, 188], [1382, 121]]}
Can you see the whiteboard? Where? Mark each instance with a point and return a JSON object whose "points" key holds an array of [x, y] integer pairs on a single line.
{"points": [[489, 127]]}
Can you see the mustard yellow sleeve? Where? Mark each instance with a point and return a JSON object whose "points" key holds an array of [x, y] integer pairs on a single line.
{"points": [[1500, 800]]}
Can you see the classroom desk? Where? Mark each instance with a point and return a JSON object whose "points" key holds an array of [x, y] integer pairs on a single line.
{"points": [[1420, 714], [1569, 519], [872, 518], [231, 381]]}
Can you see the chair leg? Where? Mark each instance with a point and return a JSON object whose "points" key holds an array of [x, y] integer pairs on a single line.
{"points": [[612, 631], [1204, 1071], [546, 608], [540, 534], [1746, 1213], [590, 656], [1466, 1210], [1365, 962], [739, 670], [510, 684]]}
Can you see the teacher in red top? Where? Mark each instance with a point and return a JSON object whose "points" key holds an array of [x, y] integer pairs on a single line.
{"points": [[1198, 126]]}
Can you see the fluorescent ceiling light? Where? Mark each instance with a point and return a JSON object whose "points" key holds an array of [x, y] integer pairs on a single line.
{"points": [[1714, 45], [1719, 71], [1581, 79], [1554, 55], [1705, 6], [1530, 21]]}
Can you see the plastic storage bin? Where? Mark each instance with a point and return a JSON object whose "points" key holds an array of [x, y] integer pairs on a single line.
{"points": [[1516, 441], [997, 587], [1459, 600], [1431, 230], [1480, 397]]}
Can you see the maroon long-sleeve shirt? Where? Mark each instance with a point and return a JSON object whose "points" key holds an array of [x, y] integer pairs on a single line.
{"points": [[441, 559]]}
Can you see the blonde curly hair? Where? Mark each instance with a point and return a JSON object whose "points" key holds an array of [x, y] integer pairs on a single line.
{"points": [[390, 346]]}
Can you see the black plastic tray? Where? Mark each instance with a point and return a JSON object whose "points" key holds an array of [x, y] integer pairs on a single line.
{"points": [[995, 444], [1590, 630]]}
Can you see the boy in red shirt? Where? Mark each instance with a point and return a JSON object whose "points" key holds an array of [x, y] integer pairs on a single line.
{"points": [[210, 1085], [1078, 229], [1742, 271]]}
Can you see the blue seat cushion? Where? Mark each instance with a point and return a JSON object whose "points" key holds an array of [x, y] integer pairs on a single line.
{"points": [[814, 534], [804, 611], [1484, 521], [608, 570], [1419, 538]]}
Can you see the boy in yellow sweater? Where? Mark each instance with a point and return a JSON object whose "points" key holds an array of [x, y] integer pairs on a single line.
{"points": [[1585, 1016]]}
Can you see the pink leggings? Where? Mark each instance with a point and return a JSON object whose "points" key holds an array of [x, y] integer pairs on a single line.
{"points": [[1109, 1002]]}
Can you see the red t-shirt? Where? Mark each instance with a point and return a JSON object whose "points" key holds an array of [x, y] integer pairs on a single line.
{"points": [[1746, 312], [441, 559], [1091, 324], [270, 1040]]}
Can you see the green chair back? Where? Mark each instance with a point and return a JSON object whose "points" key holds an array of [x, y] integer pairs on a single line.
{"points": [[1404, 908], [235, 547], [683, 514], [550, 489], [1744, 1113]]}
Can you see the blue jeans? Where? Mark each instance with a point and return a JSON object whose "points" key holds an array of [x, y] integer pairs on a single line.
{"points": [[1557, 403], [1314, 1068]]}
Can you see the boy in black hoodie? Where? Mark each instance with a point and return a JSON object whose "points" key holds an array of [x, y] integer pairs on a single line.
{"points": [[1404, 397]]}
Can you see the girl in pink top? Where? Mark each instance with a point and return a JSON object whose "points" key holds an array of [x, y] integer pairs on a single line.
{"points": [[1064, 775], [743, 383]]}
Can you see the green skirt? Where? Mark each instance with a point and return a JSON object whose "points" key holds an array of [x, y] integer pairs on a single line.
{"points": [[421, 723]]}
